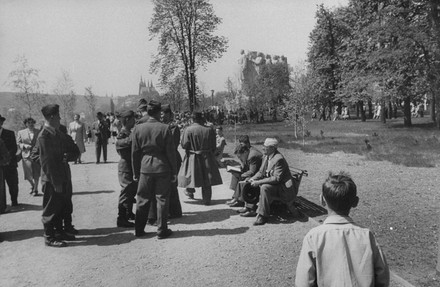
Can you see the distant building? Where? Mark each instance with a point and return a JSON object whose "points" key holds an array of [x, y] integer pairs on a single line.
{"points": [[147, 91]]}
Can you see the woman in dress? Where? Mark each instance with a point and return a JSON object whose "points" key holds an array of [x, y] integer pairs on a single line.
{"points": [[77, 131], [26, 140]]}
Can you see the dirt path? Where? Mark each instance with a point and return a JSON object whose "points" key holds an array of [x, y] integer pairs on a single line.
{"points": [[211, 245]]}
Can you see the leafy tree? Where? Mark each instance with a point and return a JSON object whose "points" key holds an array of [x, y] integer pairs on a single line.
{"points": [[300, 102], [25, 80], [186, 40], [91, 101], [65, 96], [324, 55], [175, 92]]}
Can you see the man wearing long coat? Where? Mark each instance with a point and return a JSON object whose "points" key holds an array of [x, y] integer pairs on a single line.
{"points": [[199, 167]]}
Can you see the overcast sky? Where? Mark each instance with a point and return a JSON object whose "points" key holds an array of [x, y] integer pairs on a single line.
{"points": [[105, 43]]}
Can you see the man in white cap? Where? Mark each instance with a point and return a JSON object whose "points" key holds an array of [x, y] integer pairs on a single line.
{"points": [[275, 182]]}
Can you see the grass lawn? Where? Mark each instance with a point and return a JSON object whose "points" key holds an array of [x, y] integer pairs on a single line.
{"points": [[417, 146]]}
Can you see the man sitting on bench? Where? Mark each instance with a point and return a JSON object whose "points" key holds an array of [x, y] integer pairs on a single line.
{"points": [[275, 182]]}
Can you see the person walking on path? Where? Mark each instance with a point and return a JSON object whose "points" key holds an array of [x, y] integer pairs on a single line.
{"points": [[199, 167], [102, 133], [10, 172], [77, 130], [26, 140], [154, 166], [54, 149], [125, 172]]}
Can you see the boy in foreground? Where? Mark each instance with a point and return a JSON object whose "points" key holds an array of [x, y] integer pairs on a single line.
{"points": [[340, 252]]}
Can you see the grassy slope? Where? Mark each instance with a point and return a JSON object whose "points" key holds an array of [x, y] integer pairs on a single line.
{"points": [[417, 146]]}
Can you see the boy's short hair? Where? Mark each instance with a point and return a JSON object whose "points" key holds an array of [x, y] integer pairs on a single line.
{"points": [[241, 149], [340, 192]]}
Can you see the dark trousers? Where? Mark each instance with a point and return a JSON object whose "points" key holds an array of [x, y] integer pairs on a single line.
{"points": [[175, 206], [206, 193], [68, 209], [238, 194], [10, 175], [98, 147], [152, 186], [128, 192], [2, 192], [54, 204]]}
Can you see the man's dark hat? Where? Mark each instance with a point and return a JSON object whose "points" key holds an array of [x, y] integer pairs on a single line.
{"points": [[50, 110], [142, 105], [251, 194], [166, 108], [154, 106], [2, 119], [99, 114], [127, 114]]}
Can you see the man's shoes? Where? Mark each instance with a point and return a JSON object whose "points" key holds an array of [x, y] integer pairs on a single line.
{"points": [[243, 210], [207, 202], [71, 230], [261, 220], [164, 233], [124, 223], [52, 242], [249, 213], [189, 194], [36, 193], [140, 233], [64, 236], [97, 162], [232, 201], [131, 216], [237, 204], [14, 203]]}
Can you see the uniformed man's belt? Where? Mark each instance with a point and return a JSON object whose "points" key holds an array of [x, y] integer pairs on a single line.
{"points": [[199, 151]]}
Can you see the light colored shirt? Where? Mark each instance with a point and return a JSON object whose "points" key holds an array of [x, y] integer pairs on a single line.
{"points": [[340, 253]]}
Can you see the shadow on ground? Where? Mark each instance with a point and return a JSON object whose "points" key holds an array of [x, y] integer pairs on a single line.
{"points": [[103, 237], [25, 207], [214, 215], [209, 232], [92, 192]]}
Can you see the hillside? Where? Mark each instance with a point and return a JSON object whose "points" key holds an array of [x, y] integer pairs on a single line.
{"points": [[7, 101]]}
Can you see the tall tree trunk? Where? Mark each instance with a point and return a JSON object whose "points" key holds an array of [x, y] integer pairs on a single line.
{"points": [[358, 109], [363, 112], [407, 111], [433, 101], [390, 110], [370, 110]]}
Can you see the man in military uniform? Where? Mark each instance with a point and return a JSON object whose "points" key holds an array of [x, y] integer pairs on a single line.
{"points": [[167, 118], [142, 110], [199, 167], [125, 172], [54, 149], [155, 166]]}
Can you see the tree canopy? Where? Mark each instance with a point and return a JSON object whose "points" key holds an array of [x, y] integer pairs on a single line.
{"points": [[185, 30]]}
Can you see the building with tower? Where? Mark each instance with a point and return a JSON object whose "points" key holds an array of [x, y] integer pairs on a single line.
{"points": [[147, 91]]}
